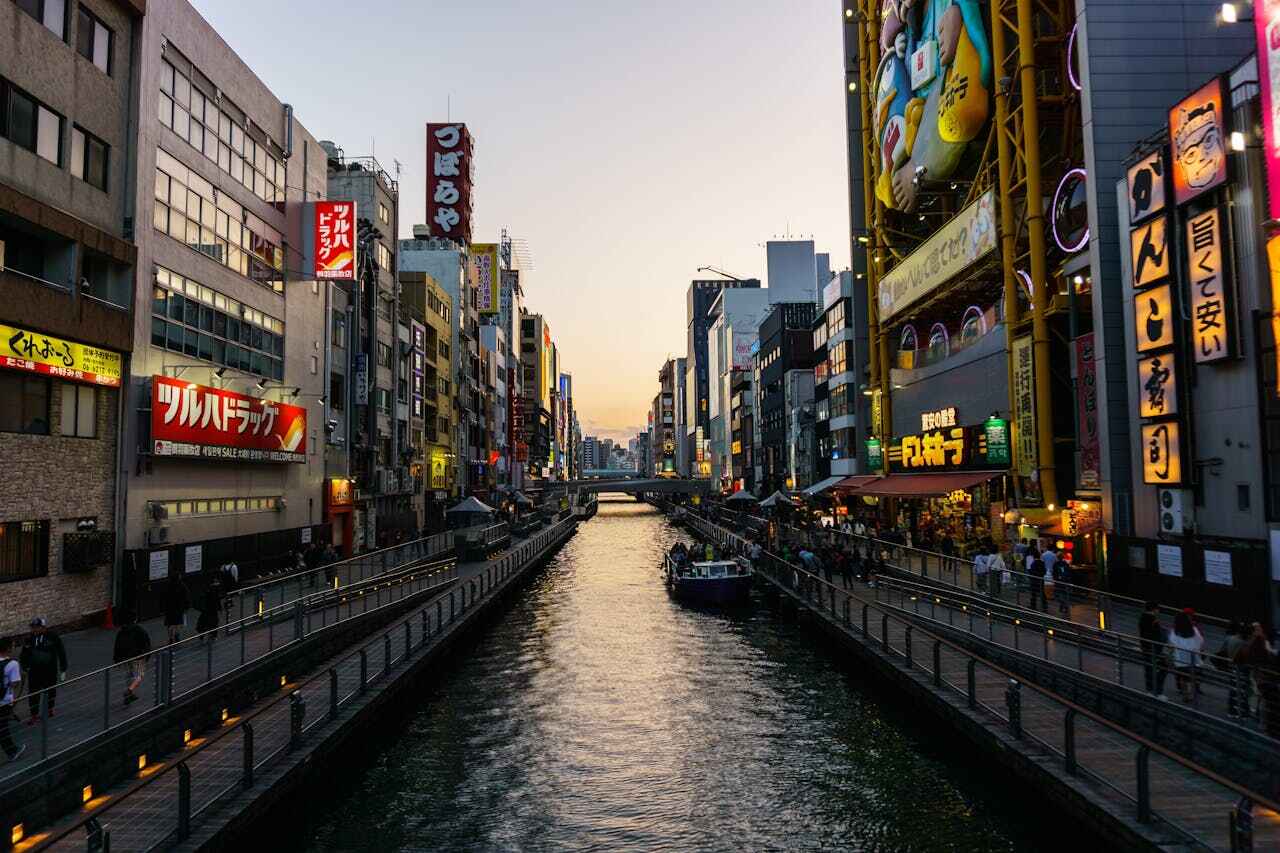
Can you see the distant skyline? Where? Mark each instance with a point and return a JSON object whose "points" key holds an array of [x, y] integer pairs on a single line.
{"points": [[625, 144]]}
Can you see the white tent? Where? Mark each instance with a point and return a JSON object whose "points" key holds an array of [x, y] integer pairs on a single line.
{"points": [[742, 496], [776, 499], [471, 505]]}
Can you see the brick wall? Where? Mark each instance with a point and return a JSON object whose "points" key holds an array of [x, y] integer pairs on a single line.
{"points": [[59, 479]]}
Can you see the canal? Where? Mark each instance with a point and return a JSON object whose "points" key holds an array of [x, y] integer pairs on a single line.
{"points": [[598, 713]]}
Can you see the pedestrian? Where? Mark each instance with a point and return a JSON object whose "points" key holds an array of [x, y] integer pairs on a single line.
{"points": [[10, 689], [45, 660], [1153, 637], [756, 553], [1060, 570], [1237, 638], [981, 568], [1187, 642], [1260, 658], [131, 648], [209, 606], [846, 570], [1035, 576], [177, 599]]}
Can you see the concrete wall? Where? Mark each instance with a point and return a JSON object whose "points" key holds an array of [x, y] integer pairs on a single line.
{"points": [[792, 271]]}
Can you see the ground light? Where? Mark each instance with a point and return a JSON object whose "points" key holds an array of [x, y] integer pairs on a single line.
{"points": [[186, 737], [16, 834], [142, 761], [86, 794]]}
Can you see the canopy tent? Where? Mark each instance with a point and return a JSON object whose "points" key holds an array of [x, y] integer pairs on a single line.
{"points": [[854, 483], [521, 499], [741, 496], [819, 488], [924, 485], [470, 506], [778, 498]]}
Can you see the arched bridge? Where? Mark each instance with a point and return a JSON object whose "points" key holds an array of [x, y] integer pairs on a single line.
{"points": [[664, 486]]}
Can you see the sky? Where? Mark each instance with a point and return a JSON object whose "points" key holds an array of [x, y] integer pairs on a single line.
{"points": [[626, 144]]}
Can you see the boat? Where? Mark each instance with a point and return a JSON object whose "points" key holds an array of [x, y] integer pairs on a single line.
{"points": [[708, 582], [677, 515]]}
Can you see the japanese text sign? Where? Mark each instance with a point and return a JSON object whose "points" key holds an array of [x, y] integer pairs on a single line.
{"points": [[1157, 386], [21, 349], [1162, 454], [1211, 303], [1197, 134], [1024, 407], [212, 423], [1153, 318], [957, 448], [1266, 17], [485, 276], [1149, 244], [1146, 183], [1088, 440], [449, 181], [335, 240]]}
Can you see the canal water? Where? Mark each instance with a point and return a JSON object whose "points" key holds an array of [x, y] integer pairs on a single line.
{"points": [[599, 713]]}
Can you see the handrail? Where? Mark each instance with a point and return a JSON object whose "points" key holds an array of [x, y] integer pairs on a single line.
{"points": [[1143, 742]]}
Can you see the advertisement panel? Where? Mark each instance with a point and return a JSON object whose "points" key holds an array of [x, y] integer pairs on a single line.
{"points": [[1198, 136], [957, 448], [1212, 309], [953, 248], [335, 240], [1088, 438], [1024, 407], [22, 349], [1146, 184], [742, 342], [485, 277], [1149, 247], [1266, 18], [199, 422], [1157, 386], [1162, 453], [1153, 318], [449, 151]]}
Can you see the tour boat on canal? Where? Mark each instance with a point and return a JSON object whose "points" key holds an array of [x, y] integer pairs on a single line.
{"points": [[712, 582]]}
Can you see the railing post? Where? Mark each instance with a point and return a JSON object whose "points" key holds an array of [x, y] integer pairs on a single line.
{"points": [[937, 663], [1144, 784], [426, 628], [408, 639], [451, 613], [106, 698], [184, 802], [333, 693], [971, 677], [1119, 661], [439, 615], [1242, 826], [1069, 740], [364, 670], [44, 724], [908, 646], [865, 633], [1013, 702], [386, 653], [246, 778], [297, 713], [884, 631]]}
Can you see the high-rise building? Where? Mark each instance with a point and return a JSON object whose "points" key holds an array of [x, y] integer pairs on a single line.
{"points": [[786, 343]]}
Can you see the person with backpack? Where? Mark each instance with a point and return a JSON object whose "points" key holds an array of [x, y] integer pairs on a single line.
{"points": [[131, 647], [1035, 575], [10, 688], [45, 660]]}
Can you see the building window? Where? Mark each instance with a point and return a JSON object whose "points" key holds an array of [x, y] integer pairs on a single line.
{"points": [[189, 507], [93, 40], [384, 257], [384, 215], [24, 404], [384, 400], [195, 320], [384, 354], [24, 550], [27, 123], [79, 410], [190, 209], [51, 13], [339, 330], [88, 158], [337, 392]]}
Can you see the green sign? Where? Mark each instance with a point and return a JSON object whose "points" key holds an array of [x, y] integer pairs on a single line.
{"points": [[875, 455], [997, 430]]}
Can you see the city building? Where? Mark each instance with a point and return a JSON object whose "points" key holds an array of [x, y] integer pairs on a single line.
{"points": [[225, 460], [786, 345], [665, 425], [430, 306], [735, 317], [493, 342], [840, 375], [67, 266], [536, 357]]}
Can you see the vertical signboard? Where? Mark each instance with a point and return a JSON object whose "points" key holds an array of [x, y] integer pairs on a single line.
{"points": [[1087, 438], [449, 153], [1211, 303], [1266, 17], [485, 277], [1153, 318], [1198, 136], [1157, 386], [335, 240], [1146, 181], [1162, 453], [1024, 407]]}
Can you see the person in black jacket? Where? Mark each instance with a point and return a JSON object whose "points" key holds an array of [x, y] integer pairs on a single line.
{"points": [[45, 660], [1153, 637], [132, 645], [177, 600]]}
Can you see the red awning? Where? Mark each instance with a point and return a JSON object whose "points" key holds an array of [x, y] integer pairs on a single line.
{"points": [[852, 484], [924, 485]]}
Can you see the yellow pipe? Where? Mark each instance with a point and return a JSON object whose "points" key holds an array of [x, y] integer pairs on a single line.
{"points": [[1004, 154], [1035, 235]]}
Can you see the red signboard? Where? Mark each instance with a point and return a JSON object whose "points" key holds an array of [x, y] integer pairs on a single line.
{"points": [[1266, 17], [449, 181], [335, 240], [210, 423], [1087, 413]]}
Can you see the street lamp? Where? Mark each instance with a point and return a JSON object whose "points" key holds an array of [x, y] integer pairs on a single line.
{"points": [[720, 272], [1229, 14]]}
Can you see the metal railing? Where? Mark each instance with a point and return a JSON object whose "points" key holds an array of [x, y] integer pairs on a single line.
{"points": [[1152, 778], [80, 709], [160, 807]]}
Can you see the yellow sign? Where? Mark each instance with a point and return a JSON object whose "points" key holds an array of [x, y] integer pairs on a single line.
{"points": [[934, 449], [1210, 302], [1273, 264], [22, 349], [1161, 454], [1153, 317], [1157, 386], [1149, 247]]}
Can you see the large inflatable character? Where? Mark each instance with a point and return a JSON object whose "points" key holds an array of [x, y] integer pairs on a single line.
{"points": [[932, 92]]}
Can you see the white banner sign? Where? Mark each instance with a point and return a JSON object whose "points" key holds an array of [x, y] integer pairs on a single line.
{"points": [[158, 569], [953, 248], [1217, 567], [195, 559], [1169, 560]]}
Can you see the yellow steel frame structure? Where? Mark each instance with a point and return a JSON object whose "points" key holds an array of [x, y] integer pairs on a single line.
{"points": [[1024, 33]]}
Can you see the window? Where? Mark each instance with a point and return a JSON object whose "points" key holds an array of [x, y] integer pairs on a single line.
{"points": [[24, 404], [88, 158], [219, 506], [29, 124], [384, 354], [337, 392], [93, 40], [384, 400], [24, 550], [51, 13], [384, 215], [384, 257], [79, 410], [339, 330]]}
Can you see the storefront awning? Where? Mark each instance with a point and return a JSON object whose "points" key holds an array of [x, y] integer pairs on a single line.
{"points": [[819, 488], [925, 485], [853, 484]]}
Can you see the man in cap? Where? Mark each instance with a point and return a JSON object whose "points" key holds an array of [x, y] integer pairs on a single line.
{"points": [[45, 661]]}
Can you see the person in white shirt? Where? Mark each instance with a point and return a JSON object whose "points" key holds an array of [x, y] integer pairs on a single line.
{"points": [[1188, 643], [10, 687], [981, 565]]}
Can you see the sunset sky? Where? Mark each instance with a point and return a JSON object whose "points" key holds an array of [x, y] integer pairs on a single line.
{"points": [[627, 144]]}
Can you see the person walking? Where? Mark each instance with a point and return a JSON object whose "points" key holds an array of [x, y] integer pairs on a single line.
{"points": [[1153, 636], [981, 568], [10, 688], [131, 647], [209, 606], [1060, 570], [45, 660], [177, 600], [1225, 659], [1187, 642], [1036, 573]]}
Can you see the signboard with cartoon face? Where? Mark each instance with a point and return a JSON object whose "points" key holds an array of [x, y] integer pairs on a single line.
{"points": [[1197, 134]]}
